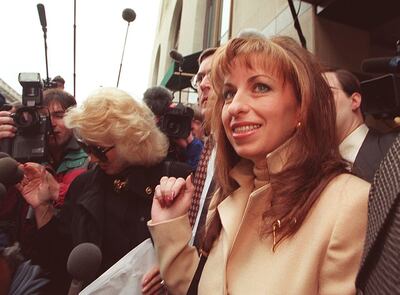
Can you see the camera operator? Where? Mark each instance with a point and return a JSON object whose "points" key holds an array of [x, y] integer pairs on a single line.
{"points": [[191, 147], [172, 118], [66, 160]]}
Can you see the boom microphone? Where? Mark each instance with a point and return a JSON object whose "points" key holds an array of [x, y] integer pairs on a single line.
{"points": [[176, 56], [83, 264], [129, 15], [381, 65], [42, 15]]}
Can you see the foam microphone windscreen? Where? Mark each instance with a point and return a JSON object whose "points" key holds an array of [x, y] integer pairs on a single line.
{"points": [[8, 171], [84, 262], [129, 15], [4, 155], [42, 15], [176, 56], [381, 65]]}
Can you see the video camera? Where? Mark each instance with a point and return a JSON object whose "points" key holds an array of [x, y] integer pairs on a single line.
{"points": [[176, 122], [381, 95], [33, 127]]}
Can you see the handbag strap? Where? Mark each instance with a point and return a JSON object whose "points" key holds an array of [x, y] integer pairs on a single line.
{"points": [[194, 284]]}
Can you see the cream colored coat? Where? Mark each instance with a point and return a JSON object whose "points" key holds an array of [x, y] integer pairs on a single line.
{"points": [[321, 258]]}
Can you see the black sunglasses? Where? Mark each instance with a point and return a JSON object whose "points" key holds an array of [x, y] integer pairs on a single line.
{"points": [[98, 151]]}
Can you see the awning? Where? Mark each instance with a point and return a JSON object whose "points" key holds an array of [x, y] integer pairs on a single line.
{"points": [[173, 81]]}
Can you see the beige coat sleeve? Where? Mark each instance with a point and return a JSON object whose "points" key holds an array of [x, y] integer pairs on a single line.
{"points": [[341, 263], [178, 261]]}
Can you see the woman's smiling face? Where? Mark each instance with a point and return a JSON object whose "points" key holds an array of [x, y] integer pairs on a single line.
{"points": [[260, 111]]}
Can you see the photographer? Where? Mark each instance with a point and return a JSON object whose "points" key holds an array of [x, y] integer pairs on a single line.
{"points": [[66, 160]]}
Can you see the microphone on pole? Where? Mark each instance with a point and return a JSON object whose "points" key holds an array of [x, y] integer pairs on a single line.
{"points": [[381, 65], [42, 16], [178, 58], [129, 15], [43, 22]]}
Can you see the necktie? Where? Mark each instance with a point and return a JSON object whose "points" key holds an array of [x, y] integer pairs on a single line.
{"points": [[199, 179]]}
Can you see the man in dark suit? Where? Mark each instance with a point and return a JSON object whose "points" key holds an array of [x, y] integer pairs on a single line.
{"points": [[380, 265], [362, 147]]}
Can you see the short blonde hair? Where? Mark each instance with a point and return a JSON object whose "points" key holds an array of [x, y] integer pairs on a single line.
{"points": [[110, 116]]}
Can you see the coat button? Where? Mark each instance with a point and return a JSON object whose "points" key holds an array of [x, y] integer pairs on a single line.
{"points": [[149, 190]]}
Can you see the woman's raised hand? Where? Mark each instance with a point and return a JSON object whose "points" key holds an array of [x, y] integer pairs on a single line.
{"points": [[172, 198], [38, 186]]}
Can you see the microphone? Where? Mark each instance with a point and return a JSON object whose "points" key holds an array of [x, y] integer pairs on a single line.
{"points": [[129, 15], [42, 16], [10, 174], [381, 65], [83, 264], [176, 56], [4, 155]]}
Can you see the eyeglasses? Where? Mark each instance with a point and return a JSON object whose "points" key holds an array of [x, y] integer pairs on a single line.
{"points": [[98, 151], [198, 78]]}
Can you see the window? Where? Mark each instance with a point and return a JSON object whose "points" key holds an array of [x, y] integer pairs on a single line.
{"points": [[218, 22]]}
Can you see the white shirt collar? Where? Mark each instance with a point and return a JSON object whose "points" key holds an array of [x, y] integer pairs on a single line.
{"points": [[352, 143]]}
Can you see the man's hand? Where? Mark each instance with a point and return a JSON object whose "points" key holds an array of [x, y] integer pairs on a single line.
{"points": [[172, 198], [7, 128]]}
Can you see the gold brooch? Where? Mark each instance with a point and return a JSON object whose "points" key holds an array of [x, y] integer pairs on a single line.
{"points": [[119, 185]]}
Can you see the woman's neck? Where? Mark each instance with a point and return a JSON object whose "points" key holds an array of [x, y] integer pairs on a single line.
{"points": [[260, 171]]}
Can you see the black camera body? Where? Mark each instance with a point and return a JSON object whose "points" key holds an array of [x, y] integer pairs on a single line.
{"points": [[33, 127], [381, 96], [177, 121]]}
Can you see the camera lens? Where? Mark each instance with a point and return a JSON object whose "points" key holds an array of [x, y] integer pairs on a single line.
{"points": [[173, 127], [26, 117]]}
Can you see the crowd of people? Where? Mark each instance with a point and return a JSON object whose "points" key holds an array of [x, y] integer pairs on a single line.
{"points": [[269, 191]]}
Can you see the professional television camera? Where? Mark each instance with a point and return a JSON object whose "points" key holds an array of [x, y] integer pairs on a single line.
{"points": [[381, 95], [176, 122], [33, 127]]}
